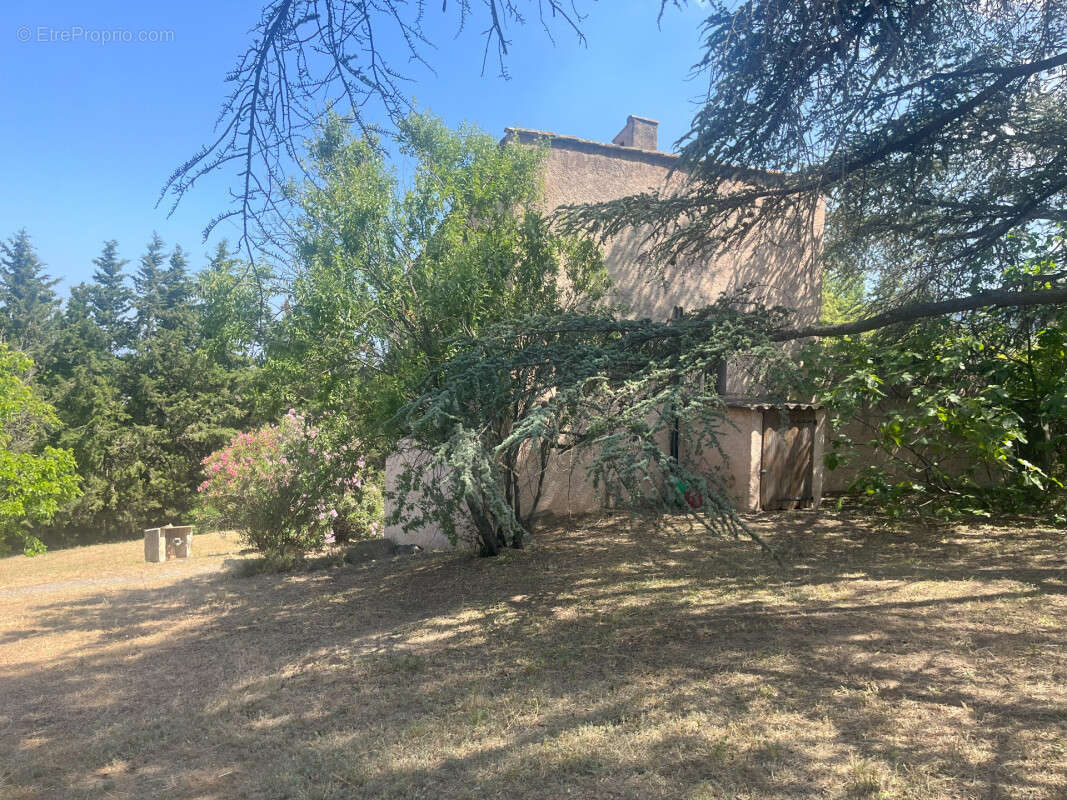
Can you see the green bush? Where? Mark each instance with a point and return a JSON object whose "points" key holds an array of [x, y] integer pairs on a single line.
{"points": [[291, 488]]}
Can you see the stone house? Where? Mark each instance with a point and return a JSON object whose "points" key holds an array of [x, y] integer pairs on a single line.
{"points": [[771, 462]]}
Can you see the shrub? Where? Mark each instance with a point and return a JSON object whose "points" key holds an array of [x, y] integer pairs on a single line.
{"points": [[291, 488]]}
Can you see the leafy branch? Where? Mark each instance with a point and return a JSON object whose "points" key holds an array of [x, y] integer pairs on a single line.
{"points": [[308, 58]]}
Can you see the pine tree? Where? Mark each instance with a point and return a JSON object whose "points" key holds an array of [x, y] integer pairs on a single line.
{"points": [[30, 306], [109, 297], [182, 401], [141, 397], [148, 283], [176, 290]]}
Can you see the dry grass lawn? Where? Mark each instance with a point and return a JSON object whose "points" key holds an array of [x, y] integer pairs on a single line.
{"points": [[612, 660]]}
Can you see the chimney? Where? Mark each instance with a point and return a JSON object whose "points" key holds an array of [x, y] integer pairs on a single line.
{"points": [[640, 132]]}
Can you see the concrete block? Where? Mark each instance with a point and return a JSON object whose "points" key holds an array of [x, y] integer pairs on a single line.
{"points": [[179, 540], [182, 537], [155, 545]]}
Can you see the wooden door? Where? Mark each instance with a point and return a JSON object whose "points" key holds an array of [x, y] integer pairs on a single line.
{"points": [[787, 459]]}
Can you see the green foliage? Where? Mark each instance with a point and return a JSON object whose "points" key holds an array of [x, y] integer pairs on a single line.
{"points": [[391, 274], [234, 313], [528, 391], [842, 298], [394, 279], [149, 291], [145, 383], [290, 488], [933, 131], [86, 383], [110, 298], [35, 480], [182, 406], [961, 415], [28, 302]]}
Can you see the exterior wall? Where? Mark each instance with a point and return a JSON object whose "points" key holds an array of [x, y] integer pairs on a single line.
{"points": [[863, 428], [742, 445], [779, 260], [428, 537], [839, 479], [567, 490]]}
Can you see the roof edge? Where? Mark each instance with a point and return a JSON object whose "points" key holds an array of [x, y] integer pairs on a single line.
{"points": [[530, 136], [669, 160]]}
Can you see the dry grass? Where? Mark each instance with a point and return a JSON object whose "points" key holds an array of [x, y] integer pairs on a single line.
{"points": [[610, 661], [110, 563]]}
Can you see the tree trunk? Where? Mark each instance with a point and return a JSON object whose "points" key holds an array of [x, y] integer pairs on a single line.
{"points": [[488, 534]]}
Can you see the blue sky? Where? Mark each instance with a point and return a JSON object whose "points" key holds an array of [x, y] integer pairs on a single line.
{"points": [[89, 131]]}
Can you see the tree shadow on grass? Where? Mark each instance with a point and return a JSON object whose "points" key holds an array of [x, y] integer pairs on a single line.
{"points": [[617, 660]]}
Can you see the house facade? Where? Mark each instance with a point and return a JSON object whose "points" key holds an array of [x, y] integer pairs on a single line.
{"points": [[779, 261], [779, 264]]}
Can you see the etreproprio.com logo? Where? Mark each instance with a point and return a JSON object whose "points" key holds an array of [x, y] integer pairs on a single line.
{"points": [[78, 33]]}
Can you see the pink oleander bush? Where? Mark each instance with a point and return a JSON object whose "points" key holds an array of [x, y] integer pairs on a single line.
{"points": [[291, 488]]}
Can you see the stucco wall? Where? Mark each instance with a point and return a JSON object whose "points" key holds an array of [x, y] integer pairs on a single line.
{"points": [[741, 440], [428, 537], [864, 427], [567, 490], [778, 259]]}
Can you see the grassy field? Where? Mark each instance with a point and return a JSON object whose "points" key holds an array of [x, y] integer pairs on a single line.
{"points": [[612, 660]]}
